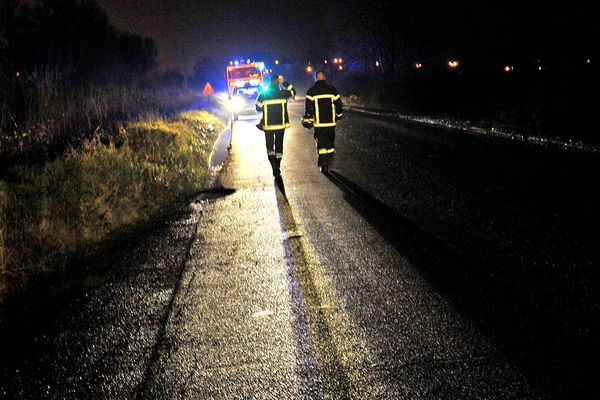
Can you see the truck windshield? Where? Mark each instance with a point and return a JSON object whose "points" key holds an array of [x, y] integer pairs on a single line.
{"points": [[241, 73]]}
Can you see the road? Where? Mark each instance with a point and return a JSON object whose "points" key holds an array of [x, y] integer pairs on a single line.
{"points": [[428, 265]]}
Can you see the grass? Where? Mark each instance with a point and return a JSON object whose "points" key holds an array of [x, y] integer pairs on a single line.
{"points": [[43, 113], [51, 211]]}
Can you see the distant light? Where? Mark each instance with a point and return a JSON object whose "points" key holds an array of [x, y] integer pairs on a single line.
{"points": [[237, 62], [248, 61], [230, 62], [276, 62], [18, 74], [588, 61], [335, 61], [261, 66], [309, 69], [508, 68], [229, 68], [540, 68], [340, 60], [418, 65], [254, 82], [340, 67], [453, 64], [377, 63], [325, 61]]}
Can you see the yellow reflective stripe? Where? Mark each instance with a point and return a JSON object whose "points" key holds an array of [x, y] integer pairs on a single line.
{"points": [[281, 103], [275, 101], [265, 116], [275, 127], [290, 87], [337, 97], [333, 111], [317, 114], [309, 97], [324, 96], [326, 151], [259, 104]]}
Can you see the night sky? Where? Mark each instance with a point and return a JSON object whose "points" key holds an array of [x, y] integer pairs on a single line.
{"points": [[188, 30]]}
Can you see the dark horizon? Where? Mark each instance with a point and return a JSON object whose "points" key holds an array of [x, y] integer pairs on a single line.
{"points": [[188, 31]]}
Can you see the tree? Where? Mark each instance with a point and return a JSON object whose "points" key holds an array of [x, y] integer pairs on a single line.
{"points": [[75, 37]]}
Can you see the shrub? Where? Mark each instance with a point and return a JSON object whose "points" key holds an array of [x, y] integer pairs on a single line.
{"points": [[54, 210]]}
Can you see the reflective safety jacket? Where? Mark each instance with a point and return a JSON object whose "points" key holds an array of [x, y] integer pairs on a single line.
{"points": [[273, 104], [323, 107], [288, 86]]}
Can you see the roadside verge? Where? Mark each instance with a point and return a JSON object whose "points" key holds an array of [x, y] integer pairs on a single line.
{"points": [[471, 128], [66, 207]]}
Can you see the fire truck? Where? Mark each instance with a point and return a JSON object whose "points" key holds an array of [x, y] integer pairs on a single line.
{"points": [[245, 78], [245, 81]]}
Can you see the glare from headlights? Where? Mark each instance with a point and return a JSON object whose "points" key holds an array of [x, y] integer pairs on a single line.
{"points": [[236, 104]]}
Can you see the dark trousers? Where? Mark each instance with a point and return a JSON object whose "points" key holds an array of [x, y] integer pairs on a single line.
{"points": [[325, 138], [274, 142]]}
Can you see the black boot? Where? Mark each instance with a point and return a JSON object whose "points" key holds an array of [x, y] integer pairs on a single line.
{"points": [[274, 165], [277, 167]]}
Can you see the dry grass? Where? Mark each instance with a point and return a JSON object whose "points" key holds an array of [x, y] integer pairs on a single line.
{"points": [[52, 211], [53, 113]]}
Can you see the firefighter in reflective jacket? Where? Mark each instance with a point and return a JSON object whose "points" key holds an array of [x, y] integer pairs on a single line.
{"points": [[273, 104], [323, 108], [284, 85]]}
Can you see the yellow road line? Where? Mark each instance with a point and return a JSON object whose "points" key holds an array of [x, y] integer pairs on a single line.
{"points": [[340, 355]]}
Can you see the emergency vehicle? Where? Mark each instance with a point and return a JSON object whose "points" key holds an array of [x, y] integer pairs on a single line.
{"points": [[245, 78], [245, 81]]}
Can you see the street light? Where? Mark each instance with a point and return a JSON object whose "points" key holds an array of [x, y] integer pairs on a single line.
{"points": [[309, 69], [453, 64], [418, 66], [340, 67], [276, 62], [508, 68]]}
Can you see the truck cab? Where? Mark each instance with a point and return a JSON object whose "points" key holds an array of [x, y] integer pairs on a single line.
{"points": [[244, 84]]}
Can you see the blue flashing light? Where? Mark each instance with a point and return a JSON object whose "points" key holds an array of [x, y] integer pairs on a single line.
{"points": [[237, 62]]}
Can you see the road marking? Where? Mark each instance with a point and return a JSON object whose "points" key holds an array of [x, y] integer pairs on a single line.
{"points": [[339, 354]]}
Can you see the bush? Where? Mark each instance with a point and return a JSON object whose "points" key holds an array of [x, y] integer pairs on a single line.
{"points": [[71, 203]]}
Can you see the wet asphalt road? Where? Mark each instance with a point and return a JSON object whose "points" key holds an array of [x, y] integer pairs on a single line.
{"points": [[428, 266]]}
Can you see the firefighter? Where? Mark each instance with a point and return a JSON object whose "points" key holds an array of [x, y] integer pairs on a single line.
{"points": [[283, 85], [273, 104], [323, 108]]}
